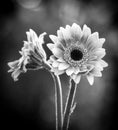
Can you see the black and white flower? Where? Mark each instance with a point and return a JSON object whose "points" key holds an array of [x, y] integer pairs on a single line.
{"points": [[77, 52], [32, 53]]}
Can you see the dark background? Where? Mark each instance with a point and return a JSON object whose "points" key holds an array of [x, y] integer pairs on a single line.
{"points": [[29, 102]]}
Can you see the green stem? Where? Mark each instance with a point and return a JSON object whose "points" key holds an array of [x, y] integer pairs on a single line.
{"points": [[58, 102], [69, 107]]}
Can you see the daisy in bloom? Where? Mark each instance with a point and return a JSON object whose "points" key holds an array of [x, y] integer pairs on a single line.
{"points": [[77, 52], [32, 53]]}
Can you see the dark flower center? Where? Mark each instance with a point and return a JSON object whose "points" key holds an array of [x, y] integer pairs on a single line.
{"points": [[76, 54]]}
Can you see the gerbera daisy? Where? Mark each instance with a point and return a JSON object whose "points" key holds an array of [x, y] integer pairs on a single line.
{"points": [[32, 55], [77, 52]]}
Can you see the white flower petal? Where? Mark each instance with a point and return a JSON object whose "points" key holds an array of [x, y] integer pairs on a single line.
{"points": [[68, 27], [76, 31], [66, 35], [28, 37], [94, 63], [62, 30], [61, 38], [103, 63], [57, 52], [77, 79], [34, 35], [50, 61], [86, 33], [90, 79], [69, 71], [76, 28], [92, 41], [55, 64], [86, 30], [93, 37], [89, 67], [98, 43], [99, 67], [13, 64], [73, 76], [96, 72], [15, 74], [36, 44], [83, 68], [52, 57], [92, 57], [68, 32], [77, 70], [60, 46], [57, 44], [31, 36], [41, 38], [50, 46], [60, 59], [63, 66], [101, 42], [99, 52], [54, 39]]}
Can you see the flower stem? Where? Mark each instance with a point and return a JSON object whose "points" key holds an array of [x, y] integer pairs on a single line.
{"points": [[58, 98], [58, 102], [69, 107]]}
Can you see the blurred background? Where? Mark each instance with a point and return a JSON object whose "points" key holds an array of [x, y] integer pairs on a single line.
{"points": [[29, 102]]}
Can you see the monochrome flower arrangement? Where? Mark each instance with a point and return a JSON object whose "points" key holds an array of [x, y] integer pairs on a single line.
{"points": [[75, 51]]}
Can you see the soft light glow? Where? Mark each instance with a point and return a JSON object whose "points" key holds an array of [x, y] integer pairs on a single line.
{"points": [[29, 4]]}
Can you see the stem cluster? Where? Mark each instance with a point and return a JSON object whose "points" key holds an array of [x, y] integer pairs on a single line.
{"points": [[63, 118]]}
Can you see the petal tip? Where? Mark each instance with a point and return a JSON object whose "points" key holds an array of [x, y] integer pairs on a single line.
{"points": [[50, 46], [90, 79]]}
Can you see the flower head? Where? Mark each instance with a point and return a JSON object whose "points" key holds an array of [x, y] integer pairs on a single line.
{"points": [[77, 52], [32, 53]]}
